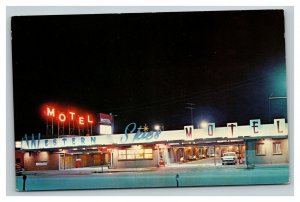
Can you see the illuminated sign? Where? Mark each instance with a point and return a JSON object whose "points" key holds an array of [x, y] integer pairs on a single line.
{"points": [[63, 116], [105, 119], [139, 135], [105, 129], [134, 135]]}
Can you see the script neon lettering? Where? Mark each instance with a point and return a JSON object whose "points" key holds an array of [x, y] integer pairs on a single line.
{"points": [[124, 138], [139, 135]]}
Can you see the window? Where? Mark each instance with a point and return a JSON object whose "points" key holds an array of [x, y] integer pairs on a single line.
{"points": [[130, 154], [135, 154], [148, 154], [260, 149], [122, 154], [277, 148]]}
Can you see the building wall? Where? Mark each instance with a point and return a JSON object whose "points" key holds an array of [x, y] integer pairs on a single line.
{"points": [[19, 158], [269, 157], [30, 159], [134, 163]]}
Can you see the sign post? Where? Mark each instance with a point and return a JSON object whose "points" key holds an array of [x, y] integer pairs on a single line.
{"points": [[24, 182], [177, 180]]}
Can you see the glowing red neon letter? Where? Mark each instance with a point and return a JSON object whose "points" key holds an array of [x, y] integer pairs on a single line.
{"points": [[81, 120], [62, 117], [90, 121], [72, 115], [50, 112]]}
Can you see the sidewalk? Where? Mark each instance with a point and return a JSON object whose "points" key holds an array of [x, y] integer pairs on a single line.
{"points": [[88, 171], [95, 170]]}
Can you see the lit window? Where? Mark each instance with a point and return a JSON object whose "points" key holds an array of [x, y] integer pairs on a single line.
{"points": [[122, 154], [130, 156], [139, 153], [277, 148], [148, 154], [260, 149], [135, 154], [148, 151], [130, 151]]}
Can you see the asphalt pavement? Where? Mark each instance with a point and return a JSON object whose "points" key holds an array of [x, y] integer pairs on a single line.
{"points": [[177, 175]]}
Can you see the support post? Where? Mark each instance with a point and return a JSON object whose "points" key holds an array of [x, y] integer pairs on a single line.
{"points": [[215, 155], [177, 180], [24, 182], [64, 161]]}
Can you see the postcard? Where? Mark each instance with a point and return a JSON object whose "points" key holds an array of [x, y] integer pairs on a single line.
{"points": [[140, 100]]}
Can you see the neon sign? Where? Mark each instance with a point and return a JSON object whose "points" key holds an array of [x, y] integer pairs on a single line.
{"points": [[62, 116], [139, 135]]}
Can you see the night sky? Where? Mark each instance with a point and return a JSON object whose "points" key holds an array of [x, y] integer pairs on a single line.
{"points": [[144, 68]]}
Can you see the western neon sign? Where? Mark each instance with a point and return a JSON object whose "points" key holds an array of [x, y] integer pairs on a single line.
{"points": [[62, 116]]}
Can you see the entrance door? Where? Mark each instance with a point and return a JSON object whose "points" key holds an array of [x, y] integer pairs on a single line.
{"points": [[99, 159], [104, 159], [85, 160], [67, 162], [96, 160]]}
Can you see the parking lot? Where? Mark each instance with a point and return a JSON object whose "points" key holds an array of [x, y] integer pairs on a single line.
{"points": [[191, 174], [208, 162]]}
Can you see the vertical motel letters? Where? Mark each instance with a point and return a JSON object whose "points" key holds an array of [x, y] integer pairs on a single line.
{"points": [[255, 124]]}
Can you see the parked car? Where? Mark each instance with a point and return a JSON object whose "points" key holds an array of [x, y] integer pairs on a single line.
{"points": [[192, 158], [19, 169], [229, 158]]}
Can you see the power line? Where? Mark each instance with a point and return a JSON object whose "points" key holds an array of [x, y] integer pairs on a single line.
{"points": [[190, 107], [204, 95]]}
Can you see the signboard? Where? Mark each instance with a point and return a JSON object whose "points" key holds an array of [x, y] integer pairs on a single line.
{"points": [[232, 129], [255, 124], [63, 115], [41, 163], [279, 126], [105, 130], [134, 135], [105, 119], [189, 131], [66, 120]]}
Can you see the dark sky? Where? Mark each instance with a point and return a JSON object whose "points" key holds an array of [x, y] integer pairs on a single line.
{"points": [[145, 67]]}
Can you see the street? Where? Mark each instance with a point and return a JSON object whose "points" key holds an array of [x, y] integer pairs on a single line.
{"points": [[193, 175]]}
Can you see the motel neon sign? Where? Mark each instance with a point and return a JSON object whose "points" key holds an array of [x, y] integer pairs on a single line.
{"points": [[62, 116]]}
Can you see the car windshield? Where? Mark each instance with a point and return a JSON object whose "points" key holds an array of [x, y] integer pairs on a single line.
{"points": [[229, 154]]}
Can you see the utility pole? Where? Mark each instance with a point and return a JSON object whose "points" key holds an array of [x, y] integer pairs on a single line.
{"points": [[190, 107], [113, 122], [274, 98]]}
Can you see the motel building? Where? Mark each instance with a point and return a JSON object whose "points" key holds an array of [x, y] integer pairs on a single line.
{"points": [[255, 143]]}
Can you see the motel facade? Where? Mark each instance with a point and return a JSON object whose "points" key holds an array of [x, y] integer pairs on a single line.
{"points": [[255, 143]]}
